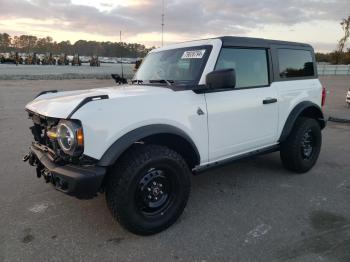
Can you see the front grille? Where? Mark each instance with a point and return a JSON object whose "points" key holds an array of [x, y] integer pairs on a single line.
{"points": [[39, 129]]}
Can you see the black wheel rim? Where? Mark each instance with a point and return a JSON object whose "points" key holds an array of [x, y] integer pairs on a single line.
{"points": [[307, 145], [156, 192]]}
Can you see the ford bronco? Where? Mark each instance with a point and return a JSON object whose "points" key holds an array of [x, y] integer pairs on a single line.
{"points": [[190, 106]]}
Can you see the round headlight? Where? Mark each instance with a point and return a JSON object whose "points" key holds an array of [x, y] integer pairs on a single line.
{"points": [[70, 137], [66, 137]]}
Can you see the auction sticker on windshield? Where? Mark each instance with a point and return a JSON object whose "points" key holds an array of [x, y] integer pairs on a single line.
{"points": [[193, 54]]}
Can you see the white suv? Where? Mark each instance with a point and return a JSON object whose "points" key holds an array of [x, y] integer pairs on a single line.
{"points": [[190, 107]]}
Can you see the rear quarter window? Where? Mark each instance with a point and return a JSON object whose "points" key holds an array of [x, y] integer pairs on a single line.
{"points": [[295, 63]]}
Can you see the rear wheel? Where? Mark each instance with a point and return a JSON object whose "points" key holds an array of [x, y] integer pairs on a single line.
{"points": [[300, 151], [148, 189]]}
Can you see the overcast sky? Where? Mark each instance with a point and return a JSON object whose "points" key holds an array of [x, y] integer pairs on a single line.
{"points": [[312, 21]]}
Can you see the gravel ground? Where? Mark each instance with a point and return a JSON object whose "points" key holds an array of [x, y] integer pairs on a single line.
{"points": [[40, 72], [253, 210]]}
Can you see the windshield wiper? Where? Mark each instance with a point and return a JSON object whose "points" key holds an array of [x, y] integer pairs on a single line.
{"points": [[168, 82], [137, 81]]}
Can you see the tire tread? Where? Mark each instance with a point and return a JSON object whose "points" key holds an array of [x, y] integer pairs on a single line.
{"points": [[122, 175], [290, 149]]}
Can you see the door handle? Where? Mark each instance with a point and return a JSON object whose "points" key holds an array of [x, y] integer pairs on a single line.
{"points": [[269, 100]]}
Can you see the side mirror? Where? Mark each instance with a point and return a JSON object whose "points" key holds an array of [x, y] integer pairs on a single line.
{"points": [[221, 79], [118, 79]]}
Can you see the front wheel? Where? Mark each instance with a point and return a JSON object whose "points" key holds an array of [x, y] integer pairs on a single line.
{"points": [[148, 189], [300, 151]]}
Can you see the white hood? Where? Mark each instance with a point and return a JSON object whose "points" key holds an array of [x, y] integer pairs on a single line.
{"points": [[61, 104]]}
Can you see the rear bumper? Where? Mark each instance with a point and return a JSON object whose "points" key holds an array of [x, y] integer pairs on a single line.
{"points": [[79, 181]]}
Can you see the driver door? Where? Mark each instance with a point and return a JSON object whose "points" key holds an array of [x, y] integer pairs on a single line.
{"points": [[244, 118]]}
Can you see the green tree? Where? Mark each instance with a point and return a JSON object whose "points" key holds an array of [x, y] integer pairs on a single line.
{"points": [[345, 24], [5, 42]]}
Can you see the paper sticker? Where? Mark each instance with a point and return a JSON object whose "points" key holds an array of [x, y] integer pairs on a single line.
{"points": [[194, 54]]}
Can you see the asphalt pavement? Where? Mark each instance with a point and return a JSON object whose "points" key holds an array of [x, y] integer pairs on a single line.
{"points": [[337, 88], [252, 210]]}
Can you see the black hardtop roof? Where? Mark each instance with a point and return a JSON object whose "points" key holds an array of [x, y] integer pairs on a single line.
{"points": [[257, 42]]}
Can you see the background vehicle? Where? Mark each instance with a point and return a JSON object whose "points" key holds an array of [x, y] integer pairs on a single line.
{"points": [[94, 61], [137, 64], [32, 59], [12, 58], [48, 59], [76, 60], [63, 60], [192, 106]]}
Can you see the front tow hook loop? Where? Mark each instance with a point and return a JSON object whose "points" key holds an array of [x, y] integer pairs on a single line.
{"points": [[26, 158], [30, 158]]}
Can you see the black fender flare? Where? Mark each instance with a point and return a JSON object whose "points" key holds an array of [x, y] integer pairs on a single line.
{"points": [[127, 140], [298, 111]]}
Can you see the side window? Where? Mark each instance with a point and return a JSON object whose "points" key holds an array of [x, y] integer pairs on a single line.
{"points": [[250, 65], [295, 63]]}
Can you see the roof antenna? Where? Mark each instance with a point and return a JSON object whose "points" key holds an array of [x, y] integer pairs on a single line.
{"points": [[162, 22], [121, 53]]}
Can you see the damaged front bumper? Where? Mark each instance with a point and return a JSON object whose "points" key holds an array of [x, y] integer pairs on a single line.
{"points": [[75, 180]]}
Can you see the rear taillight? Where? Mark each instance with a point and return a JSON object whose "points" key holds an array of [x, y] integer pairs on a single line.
{"points": [[324, 94]]}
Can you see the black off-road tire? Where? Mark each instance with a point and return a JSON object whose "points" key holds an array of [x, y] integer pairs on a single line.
{"points": [[128, 180], [292, 154]]}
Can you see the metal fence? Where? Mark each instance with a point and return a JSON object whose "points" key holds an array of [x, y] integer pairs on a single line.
{"points": [[324, 69]]}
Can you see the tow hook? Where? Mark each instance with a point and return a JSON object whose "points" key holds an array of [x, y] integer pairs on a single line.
{"points": [[30, 158], [26, 158]]}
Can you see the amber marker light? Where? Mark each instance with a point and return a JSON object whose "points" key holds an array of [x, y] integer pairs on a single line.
{"points": [[80, 137]]}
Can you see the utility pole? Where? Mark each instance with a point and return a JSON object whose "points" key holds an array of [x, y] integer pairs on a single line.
{"points": [[163, 23]]}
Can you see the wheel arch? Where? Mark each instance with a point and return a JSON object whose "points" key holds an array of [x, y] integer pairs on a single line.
{"points": [[305, 109], [159, 134]]}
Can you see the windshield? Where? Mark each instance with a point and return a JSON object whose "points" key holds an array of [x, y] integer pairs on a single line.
{"points": [[175, 66]]}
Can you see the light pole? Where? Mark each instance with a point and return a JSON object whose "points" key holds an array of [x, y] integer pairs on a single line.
{"points": [[163, 23], [121, 53]]}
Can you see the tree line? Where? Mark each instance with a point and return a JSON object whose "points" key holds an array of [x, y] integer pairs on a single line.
{"points": [[338, 56], [29, 43], [334, 57]]}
